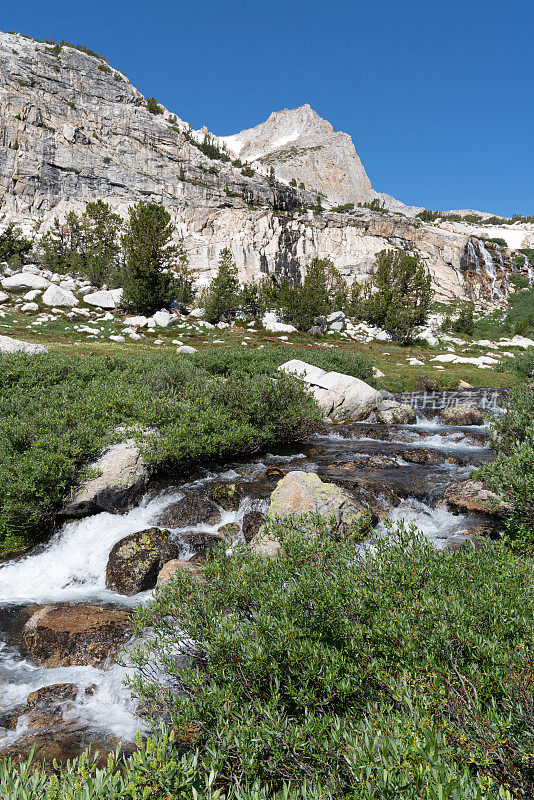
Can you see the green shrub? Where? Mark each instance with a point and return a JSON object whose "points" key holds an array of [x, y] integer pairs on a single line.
{"points": [[153, 106], [225, 361], [104, 68], [511, 473], [56, 411], [155, 771], [342, 208], [499, 241], [406, 673], [12, 243], [247, 172], [524, 364]]}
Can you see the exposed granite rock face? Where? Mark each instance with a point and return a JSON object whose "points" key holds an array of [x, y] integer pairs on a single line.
{"points": [[73, 129]]}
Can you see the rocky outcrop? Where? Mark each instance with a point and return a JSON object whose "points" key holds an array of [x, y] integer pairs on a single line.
{"points": [[67, 635], [135, 561], [74, 129], [120, 475]]}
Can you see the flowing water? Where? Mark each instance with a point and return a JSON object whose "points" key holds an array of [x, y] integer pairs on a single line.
{"points": [[402, 471]]}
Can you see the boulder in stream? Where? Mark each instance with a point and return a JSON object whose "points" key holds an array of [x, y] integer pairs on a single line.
{"points": [[66, 635], [339, 396], [396, 415], [135, 561], [462, 414], [301, 493], [226, 495], [170, 568], [473, 496], [121, 475], [193, 509]]}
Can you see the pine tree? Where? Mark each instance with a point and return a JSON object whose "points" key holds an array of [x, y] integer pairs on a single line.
{"points": [[224, 292], [183, 283], [148, 254], [399, 294], [99, 245]]}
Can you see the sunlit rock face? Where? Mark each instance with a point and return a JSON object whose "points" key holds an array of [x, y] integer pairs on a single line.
{"points": [[73, 129]]}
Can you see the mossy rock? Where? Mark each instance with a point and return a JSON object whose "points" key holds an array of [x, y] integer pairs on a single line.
{"points": [[226, 495], [135, 561]]}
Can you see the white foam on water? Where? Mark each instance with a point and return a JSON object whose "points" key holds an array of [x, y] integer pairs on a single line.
{"points": [[72, 567], [437, 524]]}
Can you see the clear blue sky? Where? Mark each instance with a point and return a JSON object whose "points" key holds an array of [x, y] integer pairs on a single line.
{"points": [[437, 95]]}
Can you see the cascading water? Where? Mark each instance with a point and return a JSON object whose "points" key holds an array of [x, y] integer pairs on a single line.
{"points": [[491, 272], [530, 272], [72, 566]]}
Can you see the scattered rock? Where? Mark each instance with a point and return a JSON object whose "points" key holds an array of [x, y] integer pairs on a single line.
{"points": [[135, 561], [185, 348], [8, 345], [193, 509], [226, 495], [463, 385], [271, 322], [56, 296], [103, 299], [252, 522], [66, 635], [24, 281], [170, 568], [473, 496], [462, 414], [121, 477]]}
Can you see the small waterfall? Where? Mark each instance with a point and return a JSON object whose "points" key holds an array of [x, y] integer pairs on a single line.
{"points": [[530, 272], [491, 272]]}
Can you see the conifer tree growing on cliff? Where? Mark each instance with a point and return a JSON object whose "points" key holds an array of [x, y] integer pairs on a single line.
{"points": [[224, 292], [148, 254]]}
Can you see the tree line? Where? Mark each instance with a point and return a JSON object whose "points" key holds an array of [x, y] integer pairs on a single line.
{"points": [[140, 256]]}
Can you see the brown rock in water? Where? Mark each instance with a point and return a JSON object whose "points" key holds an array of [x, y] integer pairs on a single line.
{"points": [[473, 496], [193, 509], [252, 522], [67, 635], [176, 565], [422, 455], [226, 495], [45, 707], [462, 414], [135, 561]]}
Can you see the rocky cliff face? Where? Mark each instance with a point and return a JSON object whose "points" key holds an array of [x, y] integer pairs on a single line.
{"points": [[73, 129]]}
